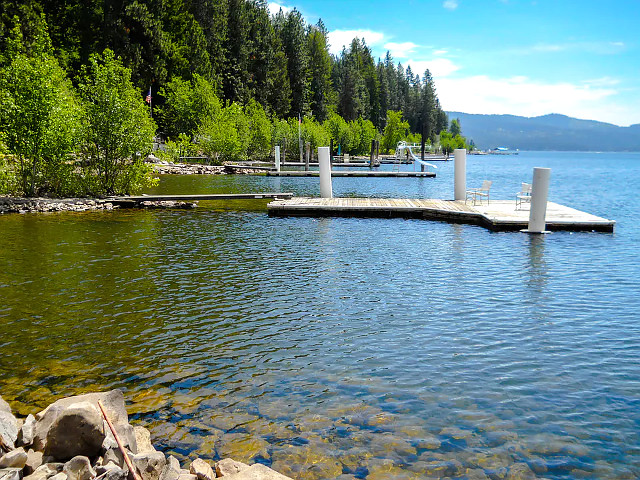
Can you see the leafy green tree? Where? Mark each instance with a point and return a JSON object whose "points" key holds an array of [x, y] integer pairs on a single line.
{"points": [[314, 133], [395, 130], [226, 135], [259, 130], [40, 117], [338, 129], [283, 135], [120, 129], [187, 104]]}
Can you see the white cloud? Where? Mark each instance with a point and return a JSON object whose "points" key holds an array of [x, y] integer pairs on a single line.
{"points": [[400, 50], [440, 52], [526, 97], [450, 4], [274, 8], [439, 67], [342, 38]]}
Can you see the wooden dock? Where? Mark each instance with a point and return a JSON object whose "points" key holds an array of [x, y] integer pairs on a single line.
{"points": [[499, 215], [132, 200], [346, 173]]}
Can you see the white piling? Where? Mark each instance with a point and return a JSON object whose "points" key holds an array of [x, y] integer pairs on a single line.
{"points": [[460, 174], [324, 162], [539, 194], [277, 158]]}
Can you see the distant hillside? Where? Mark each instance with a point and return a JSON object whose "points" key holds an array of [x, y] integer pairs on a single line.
{"points": [[548, 132]]}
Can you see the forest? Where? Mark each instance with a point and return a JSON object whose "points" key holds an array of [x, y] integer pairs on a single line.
{"points": [[86, 86]]}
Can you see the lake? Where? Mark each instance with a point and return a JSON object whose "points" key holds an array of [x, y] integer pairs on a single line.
{"points": [[367, 348]]}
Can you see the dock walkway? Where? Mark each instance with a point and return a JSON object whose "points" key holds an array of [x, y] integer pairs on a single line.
{"points": [[499, 215], [347, 173], [131, 200]]}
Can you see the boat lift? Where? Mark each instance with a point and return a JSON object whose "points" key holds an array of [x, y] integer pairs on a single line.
{"points": [[404, 150]]}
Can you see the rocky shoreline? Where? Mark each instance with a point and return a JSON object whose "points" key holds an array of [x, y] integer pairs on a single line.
{"points": [[45, 205], [72, 440], [201, 169]]}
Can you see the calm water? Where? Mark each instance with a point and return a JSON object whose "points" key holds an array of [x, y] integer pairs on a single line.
{"points": [[367, 348]]}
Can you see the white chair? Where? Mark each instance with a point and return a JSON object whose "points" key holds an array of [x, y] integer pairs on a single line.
{"points": [[523, 196], [481, 192]]}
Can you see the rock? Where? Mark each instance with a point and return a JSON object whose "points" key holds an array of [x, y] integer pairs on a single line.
{"points": [[79, 468], [59, 476], [8, 429], [10, 474], [114, 405], [171, 470], [27, 432], [227, 466], [202, 470], [77, 430], [34, 460], [46, 471], [149, 465], [143, 440], [4, 406], [114, 455], [14, 459], [187, 476], [257, 471], [520, 471]]}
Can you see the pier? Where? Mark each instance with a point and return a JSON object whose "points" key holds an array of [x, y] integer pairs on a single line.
{"points": [[129, 201], [346, 173], [498, 215]]}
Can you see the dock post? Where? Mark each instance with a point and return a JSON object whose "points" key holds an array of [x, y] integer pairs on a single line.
{"points": [[460, 174], [307, 156], [422, 151], [330, 151], [277, 158], [324, 162], [373, 153], [539, 195]]}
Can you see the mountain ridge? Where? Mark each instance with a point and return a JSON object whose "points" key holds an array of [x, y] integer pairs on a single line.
{"points": [[547, 132]]}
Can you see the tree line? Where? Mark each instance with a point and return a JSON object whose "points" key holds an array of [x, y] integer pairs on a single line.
{"points": [[226, 79]]}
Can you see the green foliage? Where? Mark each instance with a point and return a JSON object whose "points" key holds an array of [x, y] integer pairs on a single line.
{"points": [[225, 136], [259, 131], [8, 179], [41, 119], [449, 142], [338, 129], [187, 105], [120, 131], [395, 130], [282, 134], [173, 150], [314, 133], [455, 127]]}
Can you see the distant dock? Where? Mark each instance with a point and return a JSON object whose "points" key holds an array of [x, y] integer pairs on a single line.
{"points": [[499, 215], [346, 173], [129, 201]]}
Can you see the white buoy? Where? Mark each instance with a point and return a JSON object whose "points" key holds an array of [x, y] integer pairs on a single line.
{"points": [[539, 194], [460, 175], [277, 158], [324, 162]]}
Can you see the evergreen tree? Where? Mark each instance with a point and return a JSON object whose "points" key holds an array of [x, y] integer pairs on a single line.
{"points": [[320, 67], [291, 30]]}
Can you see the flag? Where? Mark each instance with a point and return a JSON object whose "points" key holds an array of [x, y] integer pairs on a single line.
{"points": [[148, 99]]}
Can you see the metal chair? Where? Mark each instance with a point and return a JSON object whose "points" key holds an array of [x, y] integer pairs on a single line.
{"points": [[524, 195], [481, 192]]}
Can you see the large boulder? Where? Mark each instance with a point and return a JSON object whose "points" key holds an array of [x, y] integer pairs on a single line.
{"points": [[77, 430], [202, 470], [8, 427], [114, 405], [143, 440], [79, 468], [27, 431], [228, 466], [10, 474], [257, 471], [46, 471], [14, 459], [34, 460], [149, 465]]}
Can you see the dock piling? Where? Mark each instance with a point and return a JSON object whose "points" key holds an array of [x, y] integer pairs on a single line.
{"points": [[539, 195], [324, 162], [277, 158], [460, 175]]}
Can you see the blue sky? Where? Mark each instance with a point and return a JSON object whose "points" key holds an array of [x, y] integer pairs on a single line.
{"points": [[520, 57]]}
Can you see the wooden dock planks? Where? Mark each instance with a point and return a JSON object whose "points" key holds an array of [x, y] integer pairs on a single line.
{"points": [[497, 215], [346, 173]]}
